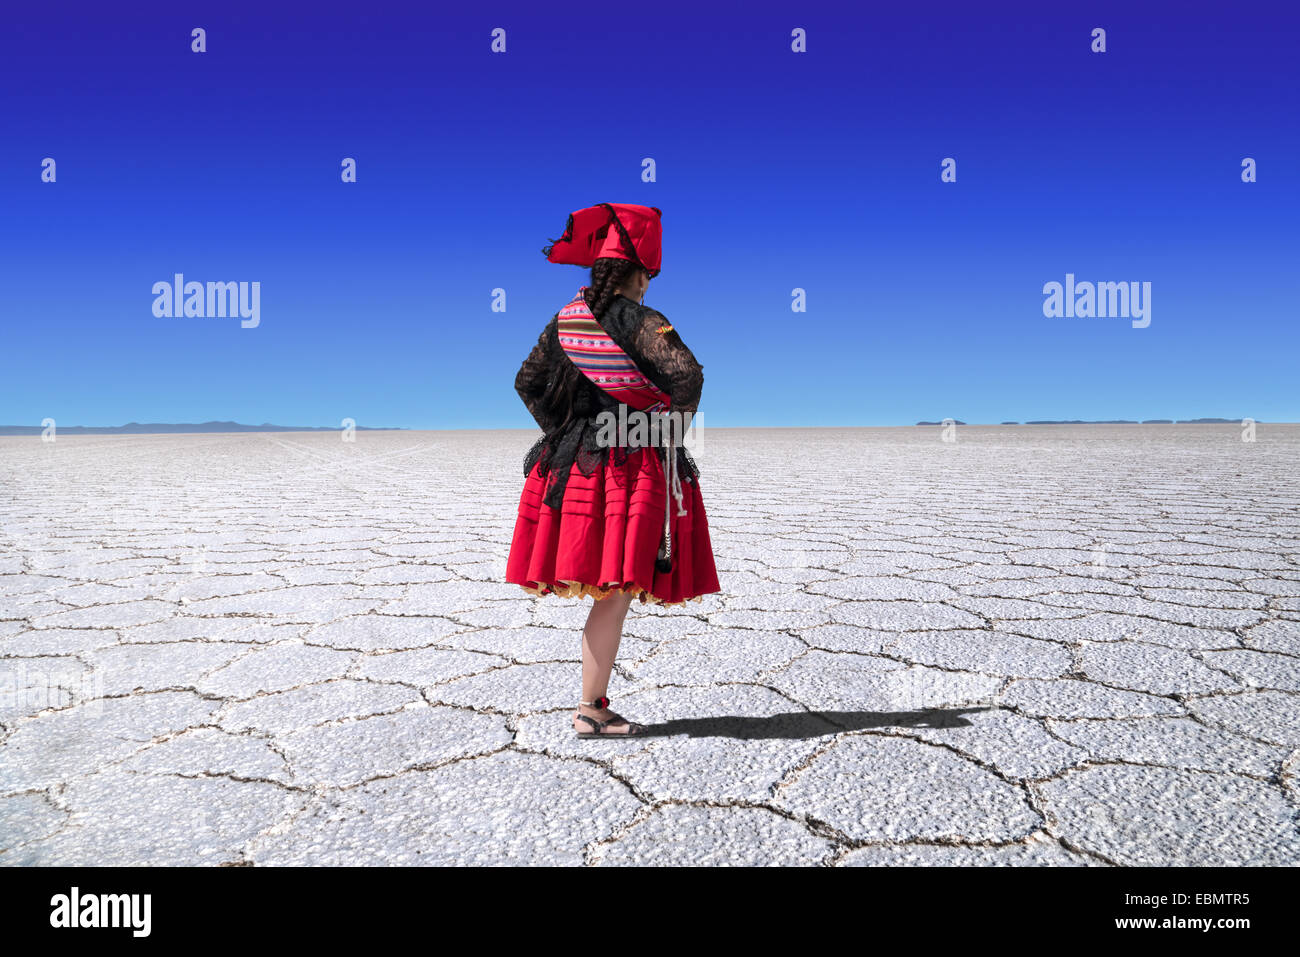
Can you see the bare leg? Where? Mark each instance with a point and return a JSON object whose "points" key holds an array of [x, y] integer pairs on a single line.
{"points": [[600, 640]]}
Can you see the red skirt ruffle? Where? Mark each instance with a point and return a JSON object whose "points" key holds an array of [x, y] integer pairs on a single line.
{"points": [[605, 536]]}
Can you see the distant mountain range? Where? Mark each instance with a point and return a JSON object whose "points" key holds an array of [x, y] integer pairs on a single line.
{"points": [[152, 428], [1107, 422]]}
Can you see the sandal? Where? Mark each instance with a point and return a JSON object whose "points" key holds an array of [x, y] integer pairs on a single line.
{"points": [[634, 728]]}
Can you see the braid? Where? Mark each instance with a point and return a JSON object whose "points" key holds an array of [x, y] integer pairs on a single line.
{"points": [[607, 276]]}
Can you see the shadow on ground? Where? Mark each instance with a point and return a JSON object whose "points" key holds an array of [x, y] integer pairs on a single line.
{"points": [[804, 724]]}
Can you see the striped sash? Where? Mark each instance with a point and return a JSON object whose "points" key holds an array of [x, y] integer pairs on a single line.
{"points": [[603, 361]]}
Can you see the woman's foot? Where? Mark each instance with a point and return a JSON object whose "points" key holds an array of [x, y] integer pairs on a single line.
{"points": [[617, 723]]}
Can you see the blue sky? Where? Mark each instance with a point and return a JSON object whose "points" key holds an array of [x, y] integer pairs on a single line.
{"points": [[775, 170]]}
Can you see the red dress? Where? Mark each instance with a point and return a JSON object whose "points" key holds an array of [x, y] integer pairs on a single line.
{"points": [[605, 534]]}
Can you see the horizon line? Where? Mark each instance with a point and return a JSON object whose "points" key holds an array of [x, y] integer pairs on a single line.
{"points": [[197, 428]]}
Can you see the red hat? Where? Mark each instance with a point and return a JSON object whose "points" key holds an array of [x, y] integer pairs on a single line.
{"points": [[610, 230]]}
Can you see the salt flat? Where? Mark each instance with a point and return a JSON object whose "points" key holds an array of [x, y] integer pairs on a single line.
{"points": [[1073, 645]]}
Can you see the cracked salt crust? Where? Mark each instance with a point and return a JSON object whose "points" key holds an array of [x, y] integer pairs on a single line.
{"points": [[1033, 647]]}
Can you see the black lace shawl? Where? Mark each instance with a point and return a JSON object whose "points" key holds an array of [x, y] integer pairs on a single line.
{"points": [[661, 356]]}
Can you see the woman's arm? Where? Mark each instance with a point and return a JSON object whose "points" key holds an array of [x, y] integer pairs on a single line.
{"points": [[671, 366], [532, 379]]}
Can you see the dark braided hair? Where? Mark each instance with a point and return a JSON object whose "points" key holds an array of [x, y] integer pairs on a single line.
{"points": [[608, 275]]}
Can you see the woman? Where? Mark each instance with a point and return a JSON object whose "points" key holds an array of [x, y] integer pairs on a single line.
{"points": [[629, 521]]}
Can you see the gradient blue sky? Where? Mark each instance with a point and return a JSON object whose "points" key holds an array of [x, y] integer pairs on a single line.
{"points": [[775, 170]]}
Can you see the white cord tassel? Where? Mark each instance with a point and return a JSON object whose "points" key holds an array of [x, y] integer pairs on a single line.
{"points": [[675, 481], [672, 489]]}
